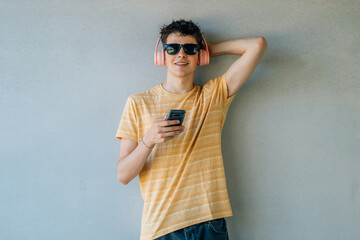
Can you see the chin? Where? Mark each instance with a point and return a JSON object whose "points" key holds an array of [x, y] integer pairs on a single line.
{"points": [[182, 74]]}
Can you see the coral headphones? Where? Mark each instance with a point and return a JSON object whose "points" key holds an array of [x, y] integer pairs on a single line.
{"points": [[204, 56]]}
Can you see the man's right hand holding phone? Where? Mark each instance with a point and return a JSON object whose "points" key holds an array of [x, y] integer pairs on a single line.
{"points": [[161, 132]]}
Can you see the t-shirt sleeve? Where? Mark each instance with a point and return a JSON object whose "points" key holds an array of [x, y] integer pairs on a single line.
{"points": [[219, 89], [224, 88], [128, 127]]}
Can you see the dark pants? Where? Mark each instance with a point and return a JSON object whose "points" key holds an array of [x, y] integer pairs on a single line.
{"points": [[210, 230]]}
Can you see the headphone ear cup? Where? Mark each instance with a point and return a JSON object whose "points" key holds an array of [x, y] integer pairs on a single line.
{"points": [[200, 60], [162, 57], [159, 55], [203, 57], [159, 58], [204, 54], [155, 57]]}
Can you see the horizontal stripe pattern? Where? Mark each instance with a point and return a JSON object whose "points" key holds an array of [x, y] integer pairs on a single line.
{"points": [[195, 209], [183, 180], [195, 165], [148, 119], [191, 190], [161, 183]]}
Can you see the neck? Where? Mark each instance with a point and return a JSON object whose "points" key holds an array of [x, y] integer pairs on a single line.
{"points": [[179, 85]]}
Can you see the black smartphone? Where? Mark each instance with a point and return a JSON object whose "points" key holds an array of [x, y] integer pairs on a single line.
{"points": [[176, 115]]}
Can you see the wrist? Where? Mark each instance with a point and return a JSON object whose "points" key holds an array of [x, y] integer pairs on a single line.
{"points": [[214, 50], [210, 48], [147, 143]]}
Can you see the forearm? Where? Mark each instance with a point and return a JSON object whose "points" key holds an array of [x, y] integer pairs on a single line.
{"points": [[236, 46], [130, 166]]}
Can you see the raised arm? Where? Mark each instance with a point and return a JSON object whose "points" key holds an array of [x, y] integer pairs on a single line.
{"points": [[251, 50]]}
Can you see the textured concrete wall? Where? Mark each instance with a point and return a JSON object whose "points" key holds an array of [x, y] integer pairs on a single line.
{"points": [[290, 141]]}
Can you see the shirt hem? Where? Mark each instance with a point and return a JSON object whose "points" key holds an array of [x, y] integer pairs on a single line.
{"points": [[190, 224]]}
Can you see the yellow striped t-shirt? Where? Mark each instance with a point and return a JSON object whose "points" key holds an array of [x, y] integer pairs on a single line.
{"points": [[183, 180]]}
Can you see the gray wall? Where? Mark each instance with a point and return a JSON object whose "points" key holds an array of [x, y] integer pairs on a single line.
{"points": [[290, 141]]}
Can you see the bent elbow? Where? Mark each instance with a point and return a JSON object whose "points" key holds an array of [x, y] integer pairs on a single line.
{"points": [[122, 180], [262, 42]]}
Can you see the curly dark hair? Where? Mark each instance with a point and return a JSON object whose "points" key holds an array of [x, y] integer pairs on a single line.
{"points": [[185, 28]]}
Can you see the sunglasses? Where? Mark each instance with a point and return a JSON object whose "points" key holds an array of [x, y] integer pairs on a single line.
{"points": [[174, 48]]}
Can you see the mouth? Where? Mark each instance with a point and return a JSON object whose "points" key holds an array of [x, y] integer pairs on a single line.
{"points": [[181, 64]]}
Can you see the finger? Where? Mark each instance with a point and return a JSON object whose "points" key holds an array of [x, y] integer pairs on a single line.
{"points": [[170, 134], [170, 129], [169, 122]]}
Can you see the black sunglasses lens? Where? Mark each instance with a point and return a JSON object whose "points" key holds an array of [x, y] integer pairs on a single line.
{"points": [[172, 49], [190, 49]]}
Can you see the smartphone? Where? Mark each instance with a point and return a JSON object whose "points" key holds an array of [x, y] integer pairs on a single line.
{"points": [[176, 115]]}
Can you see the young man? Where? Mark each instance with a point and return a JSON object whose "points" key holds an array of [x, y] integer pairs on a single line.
{"points": [[180, 168]]}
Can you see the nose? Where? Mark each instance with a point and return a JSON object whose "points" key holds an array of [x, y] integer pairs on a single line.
{"points": [[181, 53]]}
